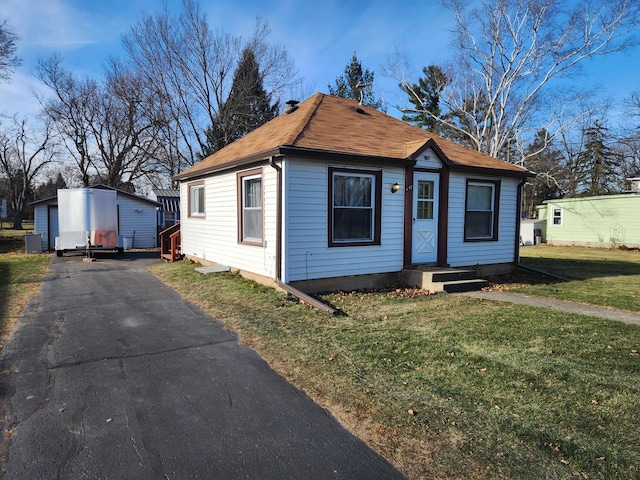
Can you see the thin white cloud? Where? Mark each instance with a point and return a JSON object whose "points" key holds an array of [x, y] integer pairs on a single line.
{"points": [[46, 23]]}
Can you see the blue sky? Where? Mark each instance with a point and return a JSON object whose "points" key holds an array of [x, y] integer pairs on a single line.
{"points": [[320, 36]]}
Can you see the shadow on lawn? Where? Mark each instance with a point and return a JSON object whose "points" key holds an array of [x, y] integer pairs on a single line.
{"points": [[11, 244], [520, 277], [5, 281], [582, 269]]}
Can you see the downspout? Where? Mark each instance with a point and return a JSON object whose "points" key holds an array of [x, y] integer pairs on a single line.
{"points": [[516, 250], [303, 297], [278, 169], [517, 245]]}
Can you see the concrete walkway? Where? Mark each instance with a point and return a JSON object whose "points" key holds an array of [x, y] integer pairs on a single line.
{"points": [[111, 375], [573, 307]]}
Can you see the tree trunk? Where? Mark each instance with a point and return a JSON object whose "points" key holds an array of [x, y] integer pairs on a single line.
{"points": [[17, 220]]}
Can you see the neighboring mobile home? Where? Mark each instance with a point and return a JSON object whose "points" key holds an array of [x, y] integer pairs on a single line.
{"points": [[605, 221], [332, 194], [136, 219]]}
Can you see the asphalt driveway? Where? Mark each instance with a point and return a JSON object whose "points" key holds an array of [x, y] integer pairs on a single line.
{"points": [[110, 375]]}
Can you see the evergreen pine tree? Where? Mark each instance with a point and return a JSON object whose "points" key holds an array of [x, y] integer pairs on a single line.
{"points": [[425, 98], [357, 84], [597, 162], [548, 166], [247, 107]]}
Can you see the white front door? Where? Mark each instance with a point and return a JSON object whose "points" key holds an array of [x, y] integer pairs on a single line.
{"points": [[424, 245]]}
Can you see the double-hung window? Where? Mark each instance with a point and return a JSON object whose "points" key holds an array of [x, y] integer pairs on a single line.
{"points": [[557, 216], [196, 199], [481, 210], [354, 207], [250, 207]]}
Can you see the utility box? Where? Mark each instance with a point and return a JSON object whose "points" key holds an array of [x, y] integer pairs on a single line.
{"points": [[33, 243], [532, 231], [87, 219]]}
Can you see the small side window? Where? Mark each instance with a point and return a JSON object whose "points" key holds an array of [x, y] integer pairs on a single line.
{"points": [[196, 199], [557, 216], [250, 212]]}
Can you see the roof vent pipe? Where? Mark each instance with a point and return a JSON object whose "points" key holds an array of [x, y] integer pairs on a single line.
{"points": [[293, 106], [360, 86]]}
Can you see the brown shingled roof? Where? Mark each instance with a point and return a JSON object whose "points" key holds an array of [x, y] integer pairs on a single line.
{"points": [[324, 123]]}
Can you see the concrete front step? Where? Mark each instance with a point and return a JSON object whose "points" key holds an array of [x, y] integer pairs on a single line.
{"points": [[451, 280], [452, 275], [460, 286]]}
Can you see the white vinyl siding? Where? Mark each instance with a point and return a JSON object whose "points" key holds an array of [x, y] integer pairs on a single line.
{"points": [[461, 253], [428, 160], [306, 225], [215, 238]]}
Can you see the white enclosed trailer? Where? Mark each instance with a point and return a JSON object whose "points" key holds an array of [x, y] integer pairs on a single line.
{"points": [[87, 220]]}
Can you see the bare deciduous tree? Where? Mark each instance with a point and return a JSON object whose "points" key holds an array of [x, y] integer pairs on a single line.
{"points": [[508, 55], [189, 68], [69, 110], [8, 57], [110, 128], [24, 152]]}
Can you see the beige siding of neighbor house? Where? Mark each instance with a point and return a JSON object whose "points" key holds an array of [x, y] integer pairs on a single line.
{"points": [[306, 225], [461, 253], [606, 221], [214, 238]]}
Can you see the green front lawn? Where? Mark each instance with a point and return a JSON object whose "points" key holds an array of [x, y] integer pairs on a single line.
{"points": [[609, 278], [20, 276]]}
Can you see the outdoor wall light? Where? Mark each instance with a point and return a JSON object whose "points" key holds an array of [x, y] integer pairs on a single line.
{"points": [[395, 187]]}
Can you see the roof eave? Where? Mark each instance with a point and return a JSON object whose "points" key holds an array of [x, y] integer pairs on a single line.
{"points": [[491, 171], [292, 150], [431, 143], [238, 162], [99, 186], [344, 156]]}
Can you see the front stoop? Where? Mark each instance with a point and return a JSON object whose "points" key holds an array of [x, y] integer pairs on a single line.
{"points": [[437, 279]]}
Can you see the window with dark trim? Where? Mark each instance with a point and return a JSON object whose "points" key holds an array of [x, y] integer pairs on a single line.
{"points": [[481, 210], [250, 200], [196, 199], [355, 207]]}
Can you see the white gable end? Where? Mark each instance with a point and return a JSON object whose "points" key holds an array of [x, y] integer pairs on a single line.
{"points": [[428, 159]]}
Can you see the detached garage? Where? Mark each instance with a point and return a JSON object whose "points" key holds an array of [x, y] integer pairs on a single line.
{"points": [[136, 218]]}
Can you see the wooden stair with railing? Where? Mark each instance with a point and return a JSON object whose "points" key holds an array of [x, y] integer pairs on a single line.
{"points": [[170, 245]]}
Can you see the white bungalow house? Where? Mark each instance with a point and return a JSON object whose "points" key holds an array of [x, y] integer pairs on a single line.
{"points": [[332, 194]]}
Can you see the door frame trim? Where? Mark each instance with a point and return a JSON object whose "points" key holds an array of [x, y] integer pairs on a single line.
{"points": [[443, 214]]}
